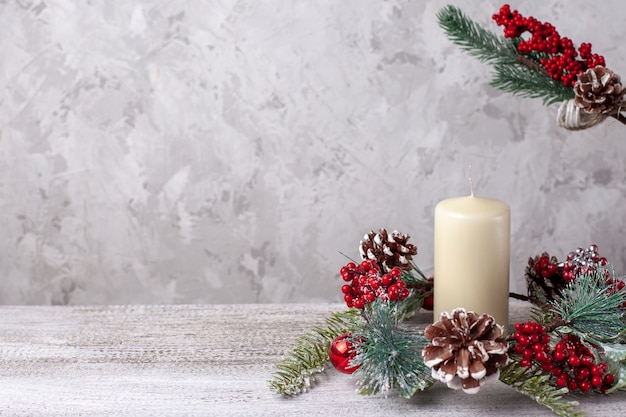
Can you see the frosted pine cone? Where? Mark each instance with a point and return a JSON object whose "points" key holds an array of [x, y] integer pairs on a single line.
{"points": [[465, 348], [388, 250], [598, 90]]}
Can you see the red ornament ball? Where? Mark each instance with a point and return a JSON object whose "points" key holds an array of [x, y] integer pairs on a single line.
{"points": [[341, 352]]}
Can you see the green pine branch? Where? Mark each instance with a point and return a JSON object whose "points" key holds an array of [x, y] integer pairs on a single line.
{"points": [[514, 73], [474, 39], [591, 309], [536, 385], [389, 357], [295, 373], [526, 82]]}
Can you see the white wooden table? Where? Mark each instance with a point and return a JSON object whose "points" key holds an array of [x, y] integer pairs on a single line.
{"points": [[204, 360]]}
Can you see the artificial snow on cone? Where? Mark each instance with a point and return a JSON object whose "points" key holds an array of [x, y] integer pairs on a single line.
{"points": [[598, 90], [465, 348], [388, 250]]}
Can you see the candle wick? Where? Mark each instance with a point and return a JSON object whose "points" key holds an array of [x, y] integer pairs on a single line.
{"points": [[471, 181]]}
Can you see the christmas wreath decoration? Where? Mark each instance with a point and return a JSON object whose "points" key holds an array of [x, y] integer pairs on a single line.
{"points": [[575, 341], [533, 60], [575, 338]]}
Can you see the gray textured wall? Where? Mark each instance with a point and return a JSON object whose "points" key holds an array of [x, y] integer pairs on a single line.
{"points": [[217, 152]]}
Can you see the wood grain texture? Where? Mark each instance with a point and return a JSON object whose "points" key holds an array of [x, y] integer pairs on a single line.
{"points": [[202, 360]]}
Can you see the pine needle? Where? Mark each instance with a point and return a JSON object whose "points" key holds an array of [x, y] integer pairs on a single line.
{"points": [[514, 73], [474, 39], [295, 373], [525, 82], [532, 383], [591, 308], [389, 357]]}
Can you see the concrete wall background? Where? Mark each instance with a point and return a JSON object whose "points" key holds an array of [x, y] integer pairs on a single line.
{"points": [[221, 152]]}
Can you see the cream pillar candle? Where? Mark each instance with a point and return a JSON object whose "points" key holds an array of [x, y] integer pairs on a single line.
{"points": [[472, 247]]}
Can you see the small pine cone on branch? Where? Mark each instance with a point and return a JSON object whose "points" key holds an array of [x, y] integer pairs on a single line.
{"points": [[388, 250], [465, 348], [598, 90], [544, 278]]}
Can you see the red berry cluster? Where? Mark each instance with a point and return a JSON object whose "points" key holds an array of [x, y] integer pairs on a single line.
{"points": [[570, 362], [580, 261], [367, 283], [562, 62], [546, 267], [583, 261]]}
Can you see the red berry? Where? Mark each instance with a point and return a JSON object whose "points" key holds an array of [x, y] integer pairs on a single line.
{"points": [[396, 272], [609, 379], [538, 347], [584, 386], [595, 370], [573, 361], [572, 385], [522, 339], [583, 374], [392, 292], [386, 280], [547, 366], [562, 381], [358, 303], [586, 361], [596, 381], [542, 357]]}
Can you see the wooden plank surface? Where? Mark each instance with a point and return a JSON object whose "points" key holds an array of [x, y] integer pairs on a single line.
{"points": [[209, 360]]}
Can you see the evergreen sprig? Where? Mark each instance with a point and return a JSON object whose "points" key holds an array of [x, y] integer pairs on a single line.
{"points": [[591, 308], [526, 82], [534, 384], [295, 373], [514, 73], [474, 39], [388, 355]]}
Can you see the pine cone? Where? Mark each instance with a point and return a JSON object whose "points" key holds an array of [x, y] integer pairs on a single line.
{"points": [[388, 250], [465, 349], [544, 278], [598, 90]]}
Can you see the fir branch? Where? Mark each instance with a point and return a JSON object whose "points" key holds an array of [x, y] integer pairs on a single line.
{"points": [[590, 307], [524, 81], [514, 73], [535, 384], [295, 373], [389, 357], [474, 39]]}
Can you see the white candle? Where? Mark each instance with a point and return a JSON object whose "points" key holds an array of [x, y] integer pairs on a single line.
{"points": [[472, 251]]}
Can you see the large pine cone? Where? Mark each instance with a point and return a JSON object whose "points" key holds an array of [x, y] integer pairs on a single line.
{"points": [[598, 90], [388, 250], [465, 349]]}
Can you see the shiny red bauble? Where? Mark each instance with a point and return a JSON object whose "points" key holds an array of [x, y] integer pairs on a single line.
{"points": [[341, 352]]}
